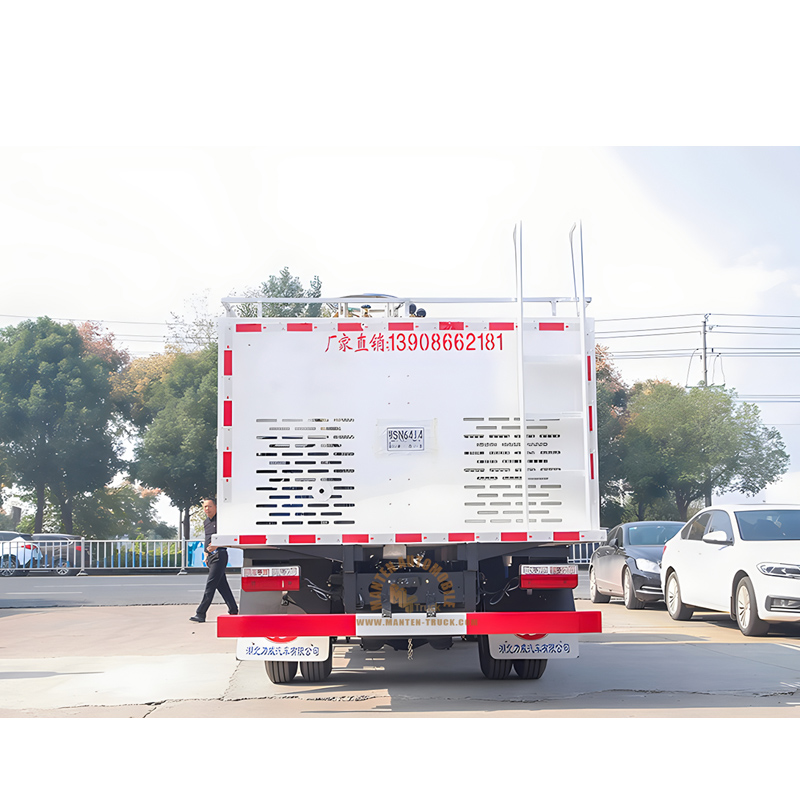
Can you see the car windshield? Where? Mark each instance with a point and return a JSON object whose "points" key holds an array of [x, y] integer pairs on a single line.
{"points": [[769, 525], [652, 532]]}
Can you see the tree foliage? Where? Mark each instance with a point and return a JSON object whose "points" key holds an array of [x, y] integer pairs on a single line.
{"points": [[688, 444], [285, 285], [612, 402], [56, 413], [177, 450]]}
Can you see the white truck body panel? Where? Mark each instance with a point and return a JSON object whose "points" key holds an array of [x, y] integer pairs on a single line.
{"points": [[381, 430]]}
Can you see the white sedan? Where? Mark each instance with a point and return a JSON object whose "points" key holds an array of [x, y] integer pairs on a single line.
{"points": [[743, 560]]}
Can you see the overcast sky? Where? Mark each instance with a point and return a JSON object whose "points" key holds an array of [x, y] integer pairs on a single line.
{"points": [[179, 152]]}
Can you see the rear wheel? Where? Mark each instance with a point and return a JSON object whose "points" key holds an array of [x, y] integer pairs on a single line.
{"points": [[63, 567], [530, 668], [281, 671], [750, 624], [8, 566], [677, 610], [495, 669], [628, 593], [594, 594], [317, 671]]}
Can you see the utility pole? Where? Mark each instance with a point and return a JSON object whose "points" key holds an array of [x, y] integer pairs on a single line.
{"points": [[705, 357]]}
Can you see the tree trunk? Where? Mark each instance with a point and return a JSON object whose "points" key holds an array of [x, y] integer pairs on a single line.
{"points": [[38, 520], [186, 518], [66, 515], [683, 506]]}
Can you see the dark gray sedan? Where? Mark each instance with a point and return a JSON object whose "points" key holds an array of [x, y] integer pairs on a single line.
{"points": [[628, 564]]}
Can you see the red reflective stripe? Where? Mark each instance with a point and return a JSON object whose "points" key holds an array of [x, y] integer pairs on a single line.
{"points": [[401, 326], [249, 538], [227, 413], [534, 622], [591, 419], [589, 368], [551, 326], [501, 326], [451, 326], [246, 626], [227, 362], [355, 538], [548, 581], [514, 536], [566, 536], [302, 538], [299, 326], [248, 327], [226, 464], [350, 326], [591, 465], [408, 537], [510, 622], [461, 537]]}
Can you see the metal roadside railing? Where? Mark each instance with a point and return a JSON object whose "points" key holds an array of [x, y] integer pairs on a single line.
{"points": [[80, 556]]}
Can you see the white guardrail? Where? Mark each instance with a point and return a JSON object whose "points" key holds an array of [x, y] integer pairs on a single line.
{"points": [[83, 555]]}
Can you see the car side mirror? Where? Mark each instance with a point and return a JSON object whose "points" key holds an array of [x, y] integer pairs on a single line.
{"points": [[717, 537]]}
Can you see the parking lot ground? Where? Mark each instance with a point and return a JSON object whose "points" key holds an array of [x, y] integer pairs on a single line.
{"points": [[150, 661]]}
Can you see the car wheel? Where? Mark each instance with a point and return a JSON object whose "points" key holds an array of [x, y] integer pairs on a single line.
{"points": [[63, 567], [750, 624], [628, 593], [530, 668], [594, 594], [281, 671], [677, 610], [8, 566]]}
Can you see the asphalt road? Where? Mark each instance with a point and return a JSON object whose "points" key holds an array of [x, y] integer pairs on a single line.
{"points": [[128, 589], [47, 590], [78, 659]]}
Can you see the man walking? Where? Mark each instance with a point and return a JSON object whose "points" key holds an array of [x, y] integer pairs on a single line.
{"points": [[217, 560]]}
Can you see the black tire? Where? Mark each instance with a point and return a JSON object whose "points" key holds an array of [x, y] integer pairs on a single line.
{"points": [[281, 671], [64, 567], [594, 594], [750, 624], [530, 668], [317, 671], [628, 593], [495, 669], [8, 566], [672, 594]]}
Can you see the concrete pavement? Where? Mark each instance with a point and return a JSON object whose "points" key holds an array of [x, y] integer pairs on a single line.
{"points": [[150, 661]]}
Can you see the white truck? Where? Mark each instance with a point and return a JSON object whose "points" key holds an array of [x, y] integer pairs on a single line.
{"points": [[373, 470]]}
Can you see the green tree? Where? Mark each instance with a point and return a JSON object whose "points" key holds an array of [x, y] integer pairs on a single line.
{"points": [[688, 444], [177, 451], [285, 285], [612, 402], [56, 414]]}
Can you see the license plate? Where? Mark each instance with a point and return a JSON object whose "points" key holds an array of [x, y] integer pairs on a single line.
{"points": [[284, 648], [550, 645], [405, 438]]}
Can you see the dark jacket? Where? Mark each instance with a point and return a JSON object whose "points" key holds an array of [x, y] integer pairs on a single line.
{"points": [[210, 528]]}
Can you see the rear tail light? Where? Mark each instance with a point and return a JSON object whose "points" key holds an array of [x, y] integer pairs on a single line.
{"points": [[553, 576]]}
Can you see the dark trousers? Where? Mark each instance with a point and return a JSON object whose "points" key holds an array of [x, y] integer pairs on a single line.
{"points": [[217, 582]]}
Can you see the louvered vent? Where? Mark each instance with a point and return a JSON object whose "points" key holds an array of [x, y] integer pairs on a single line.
{"points": [[493, 472], [305, 474]]}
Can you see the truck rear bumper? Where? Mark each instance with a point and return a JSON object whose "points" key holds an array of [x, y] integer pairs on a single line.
{"points": [[456, 624]]}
